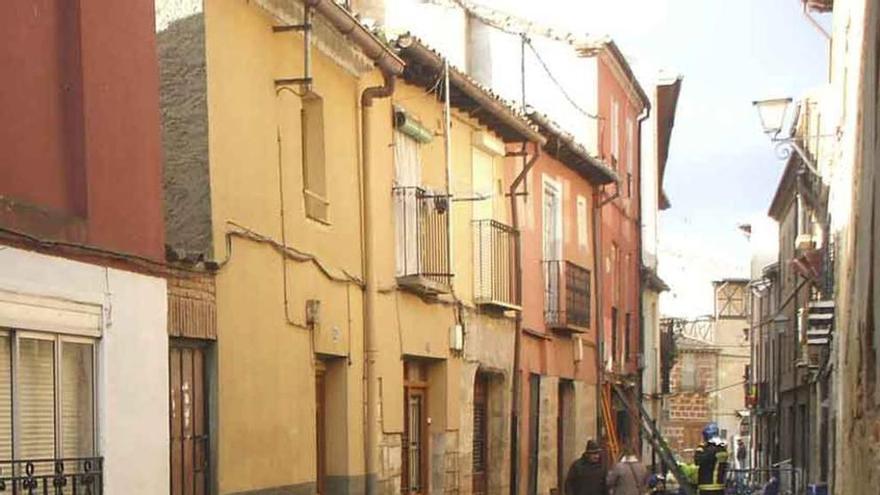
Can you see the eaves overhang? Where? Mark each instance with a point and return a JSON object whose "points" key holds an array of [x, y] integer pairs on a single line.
{"points": [[667, 93], [424, 66], [562, 146], [344, 22], [653, 281], [606, 45], [785, 190]]}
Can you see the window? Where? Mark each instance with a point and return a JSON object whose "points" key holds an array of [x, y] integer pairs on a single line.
{"points": [[614, 268], [689, 382], [615, 130], [47, 397], [627, 336], [582, 222], [615, 346], [314, 166], [552, 215], [407, 176]]}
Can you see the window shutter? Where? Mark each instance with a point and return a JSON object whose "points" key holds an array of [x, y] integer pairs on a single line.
{"points": [[582, 221], [77, 400], [314, 167], [36, 393]]}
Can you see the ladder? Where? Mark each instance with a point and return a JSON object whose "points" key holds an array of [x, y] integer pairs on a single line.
{"points": [[657, 441], [610, 424]]}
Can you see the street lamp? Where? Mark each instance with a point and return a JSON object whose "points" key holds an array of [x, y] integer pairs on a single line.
{"points": [[772, 113]]}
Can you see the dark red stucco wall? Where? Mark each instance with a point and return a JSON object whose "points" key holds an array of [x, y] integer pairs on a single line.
{"points": [[79, 123], [620, 225]]}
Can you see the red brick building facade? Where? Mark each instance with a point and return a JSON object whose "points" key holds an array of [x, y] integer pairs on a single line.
{"points": [[622, 106], [690, 405]]}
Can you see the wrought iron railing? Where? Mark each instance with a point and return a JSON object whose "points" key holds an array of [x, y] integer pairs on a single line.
{"points": [[494, 282], [422, 236], [566, 294], [72, 476]]}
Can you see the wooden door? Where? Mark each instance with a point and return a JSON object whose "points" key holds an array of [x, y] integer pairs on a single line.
{"points": [[188, 417], [534, 433], [481, 434], [561, 432], [320, 427], [414, 479]]}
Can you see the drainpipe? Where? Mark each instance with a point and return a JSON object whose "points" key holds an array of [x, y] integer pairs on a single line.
{"points": [[641, 316], [371, 380], [517, 339], [447, 150], [598, 272]]}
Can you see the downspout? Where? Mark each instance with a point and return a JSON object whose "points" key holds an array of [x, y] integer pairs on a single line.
{"points": [[600, 322], [447, 149], [517, 338], [370, 378], [639, 305]]}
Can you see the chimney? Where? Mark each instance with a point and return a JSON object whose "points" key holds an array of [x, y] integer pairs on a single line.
{"points": [[479, 50]]}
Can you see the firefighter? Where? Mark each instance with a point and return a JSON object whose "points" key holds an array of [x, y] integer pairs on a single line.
{"points": [[711, 458]]}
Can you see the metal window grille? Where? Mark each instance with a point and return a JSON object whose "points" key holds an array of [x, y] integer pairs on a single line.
{"points": [[494, 259], [73, 475], [567, 294], [422, 235]]}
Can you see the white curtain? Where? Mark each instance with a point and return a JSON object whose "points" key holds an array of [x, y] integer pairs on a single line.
{"points": [[407, 174]]}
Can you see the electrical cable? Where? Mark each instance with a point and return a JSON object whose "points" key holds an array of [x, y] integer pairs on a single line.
{"points": [[557, 83], [150, 265]]}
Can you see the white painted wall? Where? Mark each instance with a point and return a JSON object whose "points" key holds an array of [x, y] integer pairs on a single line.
{"points": [[443, 28], [447, 33], [132, 384]]}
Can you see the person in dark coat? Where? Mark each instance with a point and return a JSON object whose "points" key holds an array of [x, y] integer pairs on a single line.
{"points": [[586, 476]]}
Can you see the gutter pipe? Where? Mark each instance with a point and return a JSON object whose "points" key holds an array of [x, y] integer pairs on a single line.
{"points": [[639, 310], [346, 23], [517, 339], [371, 349]]}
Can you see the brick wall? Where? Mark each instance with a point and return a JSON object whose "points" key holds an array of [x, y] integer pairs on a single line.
{"points": [[687, 412], [192, 306]]}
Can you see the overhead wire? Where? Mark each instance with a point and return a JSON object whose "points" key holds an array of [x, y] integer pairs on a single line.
{"points": [[557, 83], [526, 29]]}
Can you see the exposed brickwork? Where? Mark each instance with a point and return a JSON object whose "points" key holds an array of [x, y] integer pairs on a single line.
{"points": [[687, 412], [192, 306]]}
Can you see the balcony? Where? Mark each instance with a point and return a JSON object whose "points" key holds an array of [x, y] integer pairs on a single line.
{"points": [[74, 475], [494, 283], [566, 296], [422, 240]]}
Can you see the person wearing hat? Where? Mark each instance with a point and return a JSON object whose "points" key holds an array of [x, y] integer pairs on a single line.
{"points": [[586, 476]]}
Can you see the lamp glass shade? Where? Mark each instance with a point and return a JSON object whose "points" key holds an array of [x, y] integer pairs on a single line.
{"points": [[772, 114]]}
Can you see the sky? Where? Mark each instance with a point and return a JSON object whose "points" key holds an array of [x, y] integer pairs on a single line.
{"points": [[722, 170]]}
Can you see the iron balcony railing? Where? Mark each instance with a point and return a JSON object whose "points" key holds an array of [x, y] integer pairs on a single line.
{"points": [[566, 295], [494, 283], [71, 476], [422, 239]]}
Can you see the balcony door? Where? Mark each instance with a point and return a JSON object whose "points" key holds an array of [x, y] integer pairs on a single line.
{"points": [[407, 179], [552, 243]]}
